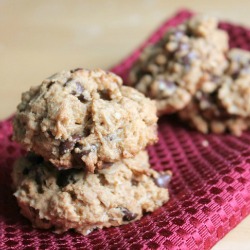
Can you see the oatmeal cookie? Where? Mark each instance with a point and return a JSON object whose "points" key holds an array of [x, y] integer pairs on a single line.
{"points": [[171, 71], [83, 118], [205, 114], [83, 201], [234, 93], [226, 107]]}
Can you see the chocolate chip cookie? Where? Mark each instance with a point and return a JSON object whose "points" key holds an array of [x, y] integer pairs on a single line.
{"points": [[227, 106], [171, 71], [234, 93], [82, 118], [83, 201]]}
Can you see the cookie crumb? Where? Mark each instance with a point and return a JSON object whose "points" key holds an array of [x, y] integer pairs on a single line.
{"points": [[205, 143]]}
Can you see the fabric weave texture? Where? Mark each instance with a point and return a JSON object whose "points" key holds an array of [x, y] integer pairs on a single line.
{"points": [[210, 189]]}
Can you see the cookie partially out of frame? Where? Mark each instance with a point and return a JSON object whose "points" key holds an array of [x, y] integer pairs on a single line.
{"points": [[171, 71], [79, 200], [83, 118], [227, 107]]}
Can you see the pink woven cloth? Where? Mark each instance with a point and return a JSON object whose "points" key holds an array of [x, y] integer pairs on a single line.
{"points": [[210, 190]]}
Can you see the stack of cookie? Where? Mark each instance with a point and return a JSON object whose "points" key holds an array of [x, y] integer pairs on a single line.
{"points": [[87, 167], [192, 72]]}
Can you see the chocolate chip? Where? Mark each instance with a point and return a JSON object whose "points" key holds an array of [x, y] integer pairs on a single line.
{"points": [[87, 131], [235, 75], [128, 215], [65, 177], [163, 180], [74, 70], [82, 99], [50, 84], [104, 95], [107, 164], [73, 196], [189, 33], [68, 145], [78, 92], [69, 81], [78, 89], [102, 179]]}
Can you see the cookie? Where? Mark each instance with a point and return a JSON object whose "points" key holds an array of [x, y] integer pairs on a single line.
{"points": [[171, 71], [234, 93], [227, 106], [83, 118], [83, 201]]}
